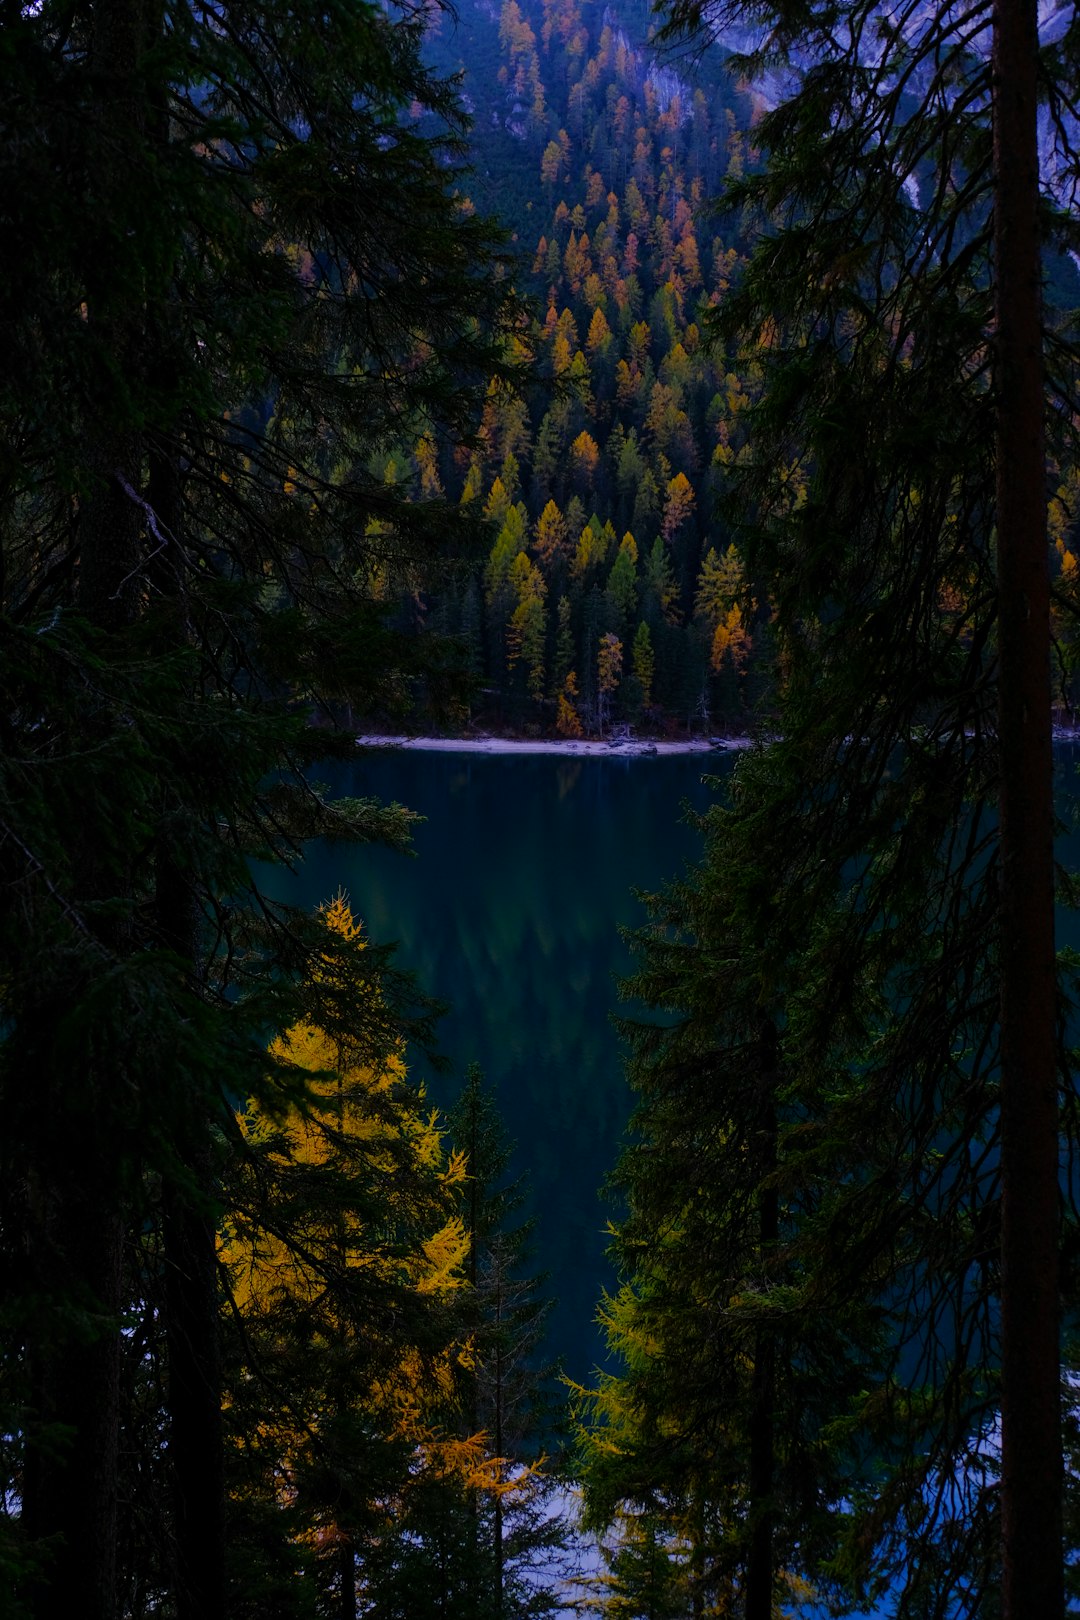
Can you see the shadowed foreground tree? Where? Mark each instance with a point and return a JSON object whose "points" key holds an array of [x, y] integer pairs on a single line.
{"points": [[494, 1545], [896, 908], [716, 1435], [235, 275]]}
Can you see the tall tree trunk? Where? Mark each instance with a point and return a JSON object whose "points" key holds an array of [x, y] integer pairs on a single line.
{"points": [[189, 1248], [347, 1580], [759, 1563], [70, 1487], [697, 1554], [1031, 1481], [82, 1182], [80, 1186], [194, 1392]]}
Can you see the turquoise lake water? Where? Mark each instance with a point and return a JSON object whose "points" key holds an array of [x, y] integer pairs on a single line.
{"points": [[511, 909]]}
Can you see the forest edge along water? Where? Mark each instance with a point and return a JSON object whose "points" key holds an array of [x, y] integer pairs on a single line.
{"points": [[622, 746]]}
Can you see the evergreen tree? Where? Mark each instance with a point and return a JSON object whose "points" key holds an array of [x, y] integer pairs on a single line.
{"points": [[214, 339], [492, 1544], [715, 1429], [508, 1396], [644, 664], [870, 930]]}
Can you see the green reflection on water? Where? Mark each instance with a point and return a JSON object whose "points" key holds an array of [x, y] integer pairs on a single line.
{"points": [[511, 910], [523, 875]]}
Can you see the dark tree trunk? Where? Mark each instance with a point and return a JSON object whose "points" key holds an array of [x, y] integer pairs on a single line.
{"points": [[347, 1580], [697, 1557], [83, 1177], [81, 1185], [70, 1487], [189, 1249], [194, 1394], [1031, 1482], [759, 1563]]}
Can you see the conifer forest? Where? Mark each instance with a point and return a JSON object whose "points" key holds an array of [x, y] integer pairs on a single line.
{"points": [[585, 375]]}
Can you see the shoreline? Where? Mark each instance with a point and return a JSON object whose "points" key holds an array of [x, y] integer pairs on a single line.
{"points": [[588, 747], [570, 747]]}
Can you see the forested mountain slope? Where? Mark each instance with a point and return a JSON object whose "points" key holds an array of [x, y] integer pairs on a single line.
{"points": [[610, 592]]}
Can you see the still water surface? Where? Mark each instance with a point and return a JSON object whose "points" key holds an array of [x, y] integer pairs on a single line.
{"points": [[524, 873], [511, 910]]}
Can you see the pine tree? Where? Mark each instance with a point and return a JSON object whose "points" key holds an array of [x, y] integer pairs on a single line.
{"points": [[622, 580]]}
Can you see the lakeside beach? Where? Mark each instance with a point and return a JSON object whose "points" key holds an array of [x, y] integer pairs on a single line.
{"points": [[573, 747]]}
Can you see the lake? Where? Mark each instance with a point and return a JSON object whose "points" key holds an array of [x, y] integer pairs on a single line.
{"points": [[511, 909]]}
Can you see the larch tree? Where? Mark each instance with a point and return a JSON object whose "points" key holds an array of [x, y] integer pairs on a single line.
{"points": [[609, 656], [344, 1256]]}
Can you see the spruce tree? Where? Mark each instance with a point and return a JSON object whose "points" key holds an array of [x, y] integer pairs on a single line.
{"points": [[214, 333], [711, 1431], [877, 308]]}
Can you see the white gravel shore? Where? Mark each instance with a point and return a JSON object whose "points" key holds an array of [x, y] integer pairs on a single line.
{"points": [[572, 747]]}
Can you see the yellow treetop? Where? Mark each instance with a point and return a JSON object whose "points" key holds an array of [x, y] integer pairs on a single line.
{"points": [[386, 1213]]}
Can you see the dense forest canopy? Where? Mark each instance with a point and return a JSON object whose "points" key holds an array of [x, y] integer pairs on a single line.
{"points": [[611, 592], [751, 412]]}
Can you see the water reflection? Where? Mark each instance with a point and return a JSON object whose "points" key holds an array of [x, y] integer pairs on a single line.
{"points": [[523, 875]]}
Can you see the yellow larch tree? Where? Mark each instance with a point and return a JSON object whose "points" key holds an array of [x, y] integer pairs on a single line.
{"points": [[568, 720], [598, 340], [592, 548], [678, 505], [528, 623], [343, 1254], [720, 602], [584, 460], [551, 540], [609, 672]]}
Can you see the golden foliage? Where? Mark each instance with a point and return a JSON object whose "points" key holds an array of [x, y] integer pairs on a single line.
{"points": [[356, 1199], [567, 720]]}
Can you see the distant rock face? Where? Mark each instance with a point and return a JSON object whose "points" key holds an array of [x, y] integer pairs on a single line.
{"points": [[664, 82]]}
